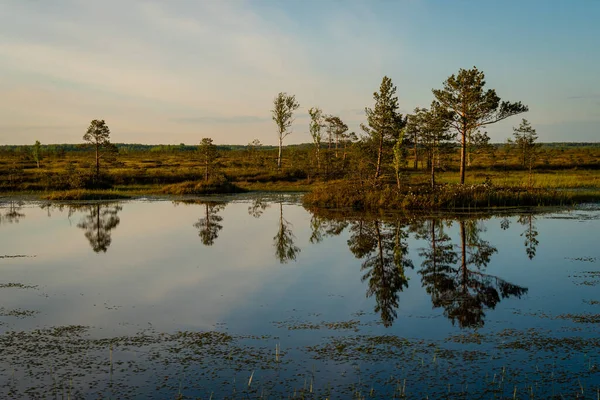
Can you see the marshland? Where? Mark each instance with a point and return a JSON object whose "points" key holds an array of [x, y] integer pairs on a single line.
{"points": [[400, 263], [299, 199]]}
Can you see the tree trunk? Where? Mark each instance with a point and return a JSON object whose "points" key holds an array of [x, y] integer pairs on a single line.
{"points": [[432, 169], [530, 172], [416, 155], [97, 163], [280, 150], [378, 168], [206, 169], [379, 245], [463, 154], [319, 157], [463, 246]]}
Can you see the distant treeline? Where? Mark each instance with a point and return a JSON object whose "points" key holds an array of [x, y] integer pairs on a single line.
{"points": [[173, 148]]}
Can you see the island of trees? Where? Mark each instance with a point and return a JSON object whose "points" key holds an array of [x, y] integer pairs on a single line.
{"points": [[436, 157]]}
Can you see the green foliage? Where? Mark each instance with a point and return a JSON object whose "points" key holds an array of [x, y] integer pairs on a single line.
{"points": [[284, 106], [316, 123], [209, 154], [431, 129], [36, 152], [98, 138], [472, 107], [400, 154], [525, 139], [384, 123]]}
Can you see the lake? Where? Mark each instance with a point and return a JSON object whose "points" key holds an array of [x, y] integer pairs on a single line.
{"points": [[254, 296]]}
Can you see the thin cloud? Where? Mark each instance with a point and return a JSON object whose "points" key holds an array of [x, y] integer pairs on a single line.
{"points": [[585, 96], [235, 119]]}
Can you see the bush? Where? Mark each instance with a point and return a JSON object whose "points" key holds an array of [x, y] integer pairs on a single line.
{"points": [[212, 186], [368, 197]]}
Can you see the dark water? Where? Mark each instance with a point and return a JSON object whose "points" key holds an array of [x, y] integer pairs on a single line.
{"points": [[257, 297]]}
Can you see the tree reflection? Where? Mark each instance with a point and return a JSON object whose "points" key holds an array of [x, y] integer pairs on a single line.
{"points": [[530, 234], [438, 260], [209, 226], [98, 223], [283, 241], [324, 227], [455, 281], [13, 213], [384, 249], [258, 207]]}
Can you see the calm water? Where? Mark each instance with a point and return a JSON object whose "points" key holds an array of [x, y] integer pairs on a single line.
{"points": [[250, 297]]}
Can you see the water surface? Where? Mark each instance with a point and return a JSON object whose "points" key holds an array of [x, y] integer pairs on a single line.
{"points": [[256, 296]]}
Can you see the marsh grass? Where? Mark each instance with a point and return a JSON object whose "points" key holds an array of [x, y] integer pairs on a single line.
{"points": [[85, 194], [363, 196], [561, 166], [214, 186]]}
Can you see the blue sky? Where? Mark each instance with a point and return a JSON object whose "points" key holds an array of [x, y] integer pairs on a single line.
{"points": [[180, 70]]}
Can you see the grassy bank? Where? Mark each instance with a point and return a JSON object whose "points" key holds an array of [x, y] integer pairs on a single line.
{"points": [[362, 196], [68, 176]]}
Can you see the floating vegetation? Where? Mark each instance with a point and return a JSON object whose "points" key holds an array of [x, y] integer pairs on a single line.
{"points": [[581, 318], [577, 318], [42, 361], [587, 278], [343, 325], [17, 286], [16, 256], [18, 313], [582, 259]]}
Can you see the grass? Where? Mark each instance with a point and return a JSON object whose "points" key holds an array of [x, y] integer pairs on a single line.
{"points": [[84, 194], [363, 196], [216, 186], [67, 176], [559, 179]]}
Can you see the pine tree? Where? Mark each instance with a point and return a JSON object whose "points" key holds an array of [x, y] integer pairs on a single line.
{"points": [[472, 107], [384, 122]]}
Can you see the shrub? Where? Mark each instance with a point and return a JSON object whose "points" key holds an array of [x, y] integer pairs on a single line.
{"points": [[213, 186]]}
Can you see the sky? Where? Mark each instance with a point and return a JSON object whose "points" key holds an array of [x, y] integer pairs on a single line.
{"points": [[176, 71]]}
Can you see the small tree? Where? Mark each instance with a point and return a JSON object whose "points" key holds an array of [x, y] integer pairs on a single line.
{"points": [[400, 154], [253, 148], [478, 143], [413, 136], [284, 106], [436, 135], [339, 131], [431, 127], [209, 154], [384, 121], [98, 137], [525, 139], [316, 123], [37, 152], [414, 132], [472, 107]]}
